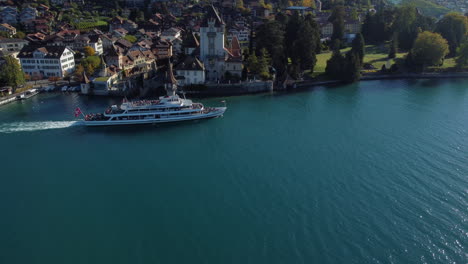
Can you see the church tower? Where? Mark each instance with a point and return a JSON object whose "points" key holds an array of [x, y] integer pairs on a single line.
{"points": [[212, 51]]}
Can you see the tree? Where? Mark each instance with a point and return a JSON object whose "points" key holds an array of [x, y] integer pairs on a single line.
{"points": [[462, 55], [270, 36], [429, 49], [89, 51], [409, 23], [377, 27], [454, 28], [240, 4], [11, 73], [337, 19], [308, 3], [393, 47], [358, 47], [263, 64], [336, 65], [4, 34], [131, 38], [306, 46], [79, 71], [252, 63], [20, 35], [353, 68]]}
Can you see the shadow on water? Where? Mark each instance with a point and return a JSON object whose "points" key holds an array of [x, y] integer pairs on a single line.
{"points": [[141, 128]]}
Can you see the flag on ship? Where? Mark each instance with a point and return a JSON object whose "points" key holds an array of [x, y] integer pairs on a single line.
{"points": [[78, 112]]}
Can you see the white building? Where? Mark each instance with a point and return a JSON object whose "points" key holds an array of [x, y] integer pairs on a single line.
{"points": [[47, 61], [190, 71], [212, 51], [12, 45]]}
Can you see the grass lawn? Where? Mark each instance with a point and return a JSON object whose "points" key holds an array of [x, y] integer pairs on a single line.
{"points": [[376, 55]]}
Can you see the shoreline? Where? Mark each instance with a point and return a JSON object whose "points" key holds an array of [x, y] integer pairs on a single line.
{"points": [[295, 85], [409, 76]]}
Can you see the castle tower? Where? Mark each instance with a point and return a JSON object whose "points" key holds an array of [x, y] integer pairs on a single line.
{"points": [[212, 51], [85, 84], [170, 82], [103, 70]]}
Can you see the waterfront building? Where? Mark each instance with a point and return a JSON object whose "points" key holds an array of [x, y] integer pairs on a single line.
{"points": [[190, 71], [47, 61]]}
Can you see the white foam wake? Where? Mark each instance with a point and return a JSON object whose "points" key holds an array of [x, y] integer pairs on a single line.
{"points": [[35, 126]]}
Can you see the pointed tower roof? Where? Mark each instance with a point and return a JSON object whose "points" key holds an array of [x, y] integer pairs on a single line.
{"points": [[170, 75], [235, 47], [103, 71], [212, 14], [84, 78]]}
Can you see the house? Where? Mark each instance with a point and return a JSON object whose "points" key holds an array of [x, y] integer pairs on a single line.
{"points": [[119, 22], [162, 49], [170, 34], [47, 61], [241, 33], [12, 45], [119, 32], [27, 14], [9, 15], [36, 38], [190, 71], [96, 43], [8, 29]]}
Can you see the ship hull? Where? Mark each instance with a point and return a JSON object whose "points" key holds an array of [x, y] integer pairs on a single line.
{"points": [[218, 112]]}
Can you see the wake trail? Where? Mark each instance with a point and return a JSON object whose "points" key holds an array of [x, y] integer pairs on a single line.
{"points": [[36, 126]]}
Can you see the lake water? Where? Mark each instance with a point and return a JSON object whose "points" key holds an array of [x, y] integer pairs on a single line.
{"points": [[374, 172]]}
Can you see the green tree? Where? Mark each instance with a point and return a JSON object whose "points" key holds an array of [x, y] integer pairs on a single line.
{"points": [[270, 36], [89, 51], [429, 49], [409, 23], [20, 35], [11, 73], [131, 38], [337, 19], [263, 64], [454, 28], [462, 55], [353, 66], [336, 65], [240, 4], [358, 47], [252, 63], [306, 46], [393, 47]]}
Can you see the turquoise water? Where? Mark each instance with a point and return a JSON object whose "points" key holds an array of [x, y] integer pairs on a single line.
{"points": [[370, 173]]}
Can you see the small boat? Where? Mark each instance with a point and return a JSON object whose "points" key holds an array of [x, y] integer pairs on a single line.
{"points": [[165, 110], [27, 94], [30, 93]]}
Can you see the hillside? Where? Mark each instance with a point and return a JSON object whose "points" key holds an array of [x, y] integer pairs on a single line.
{"points": [[427, 7]]}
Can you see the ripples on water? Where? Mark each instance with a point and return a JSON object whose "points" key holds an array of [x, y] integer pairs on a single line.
{"points": [[371, 173]]}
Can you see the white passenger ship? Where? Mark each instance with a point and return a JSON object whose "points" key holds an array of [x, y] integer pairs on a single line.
{"points": [[166, 109]]}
